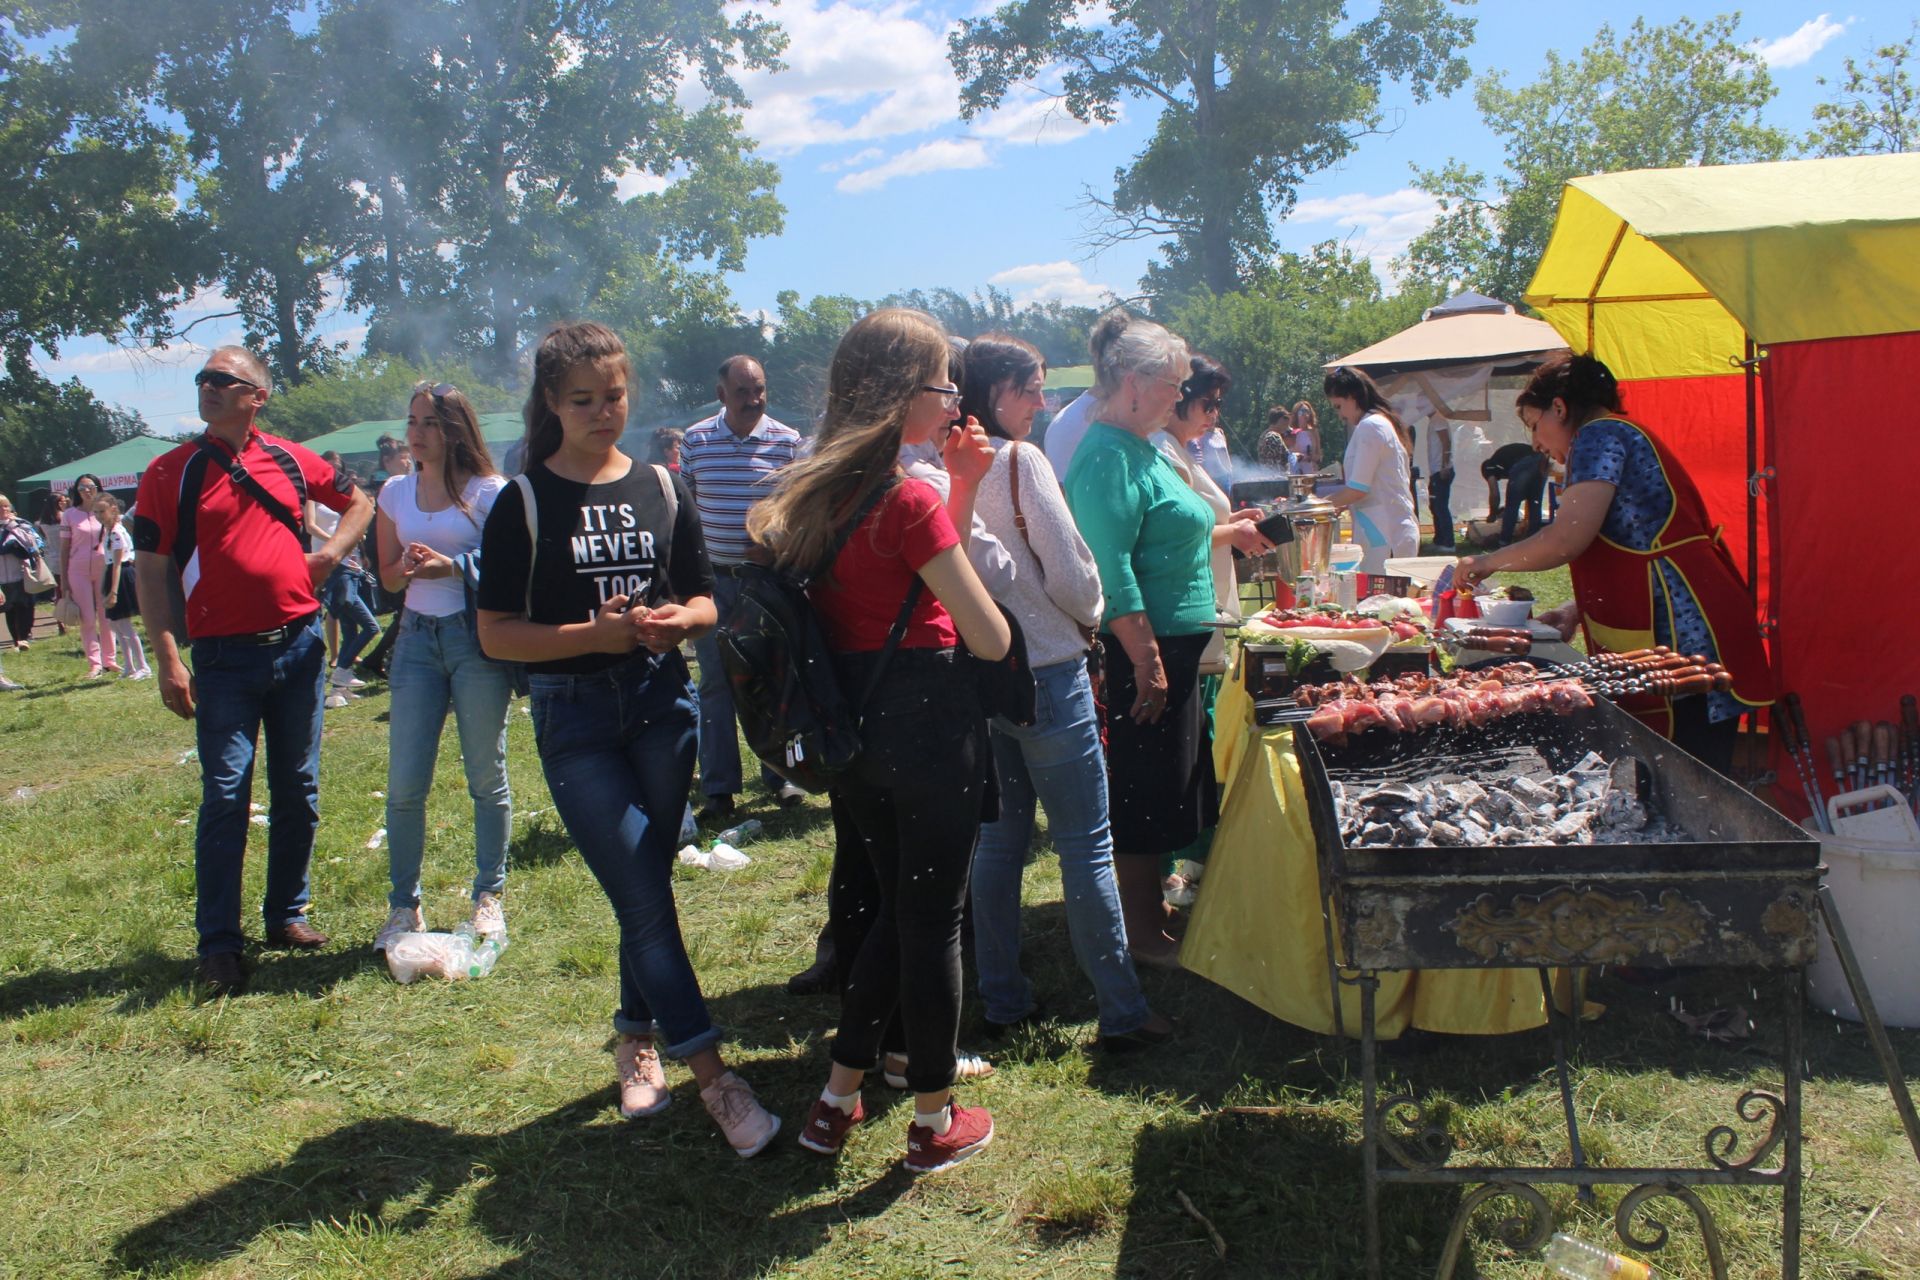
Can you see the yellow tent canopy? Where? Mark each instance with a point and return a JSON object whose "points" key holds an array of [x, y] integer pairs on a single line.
{"points": [[1663, 273]]}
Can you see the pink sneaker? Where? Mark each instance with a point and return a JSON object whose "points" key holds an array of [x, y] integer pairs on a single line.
{"points": [[748, 1125], [968, 1133], [643, 1081], [827, 1126]]}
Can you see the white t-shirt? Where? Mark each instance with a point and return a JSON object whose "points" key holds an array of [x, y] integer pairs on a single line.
{"points": [[1066, 431], [1438, 430], [452, 532], [1384, 521]]}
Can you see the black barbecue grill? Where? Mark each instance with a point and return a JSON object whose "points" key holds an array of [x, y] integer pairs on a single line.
{"points": [[1740, 892]]}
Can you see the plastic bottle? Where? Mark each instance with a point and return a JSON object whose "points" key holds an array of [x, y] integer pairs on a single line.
{"points": [[1578, 1260], [737, 836], [485, 954]]}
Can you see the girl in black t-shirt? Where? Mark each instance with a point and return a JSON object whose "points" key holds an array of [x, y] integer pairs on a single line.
{"points": [[596, 604]]}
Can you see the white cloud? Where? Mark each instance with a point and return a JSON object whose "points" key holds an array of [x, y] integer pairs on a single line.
{"points": [[1379, 225], [1036, 118], [637, 182], [854, 74], [1051, 281], [929, 157], [865, 155], [1798, 47]]}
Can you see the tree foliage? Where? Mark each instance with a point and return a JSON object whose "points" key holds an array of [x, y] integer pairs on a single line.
{"points": [[1253, 96], [1654, 97], [465, 170], [369, 388], [1876, 108], [92, 240], [43, 425], [1276, 336]]}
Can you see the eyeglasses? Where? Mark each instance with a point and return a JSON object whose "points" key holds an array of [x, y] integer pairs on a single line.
{"points": [[220, 381], [949, 396]]}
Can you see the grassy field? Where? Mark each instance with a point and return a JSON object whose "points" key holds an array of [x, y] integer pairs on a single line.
{"points": [[330, 1123]]}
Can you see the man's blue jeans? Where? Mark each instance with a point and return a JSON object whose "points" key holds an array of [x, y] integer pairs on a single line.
{"points": [[719, 737], [1057, 761], [344, 603], [437, 665], [617, 748], [243, 688]]}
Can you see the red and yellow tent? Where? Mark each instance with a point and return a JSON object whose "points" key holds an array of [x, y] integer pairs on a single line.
{"points": [[1764, 319]]}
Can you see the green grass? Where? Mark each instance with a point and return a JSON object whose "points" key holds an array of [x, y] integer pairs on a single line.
{"points": [[333, 1124]]}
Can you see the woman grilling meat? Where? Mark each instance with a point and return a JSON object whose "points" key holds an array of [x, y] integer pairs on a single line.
{"points": [[1648, 565]]}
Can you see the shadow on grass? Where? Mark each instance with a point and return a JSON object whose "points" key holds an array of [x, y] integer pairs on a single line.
{"points": [[141, 980], [569, 1193]]}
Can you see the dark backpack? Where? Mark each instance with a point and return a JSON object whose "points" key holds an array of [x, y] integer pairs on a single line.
{"points": [[786, 692]]}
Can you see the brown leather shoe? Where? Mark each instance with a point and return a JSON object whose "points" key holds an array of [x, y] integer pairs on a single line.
{"points": [[297, 934], [222, 974]]}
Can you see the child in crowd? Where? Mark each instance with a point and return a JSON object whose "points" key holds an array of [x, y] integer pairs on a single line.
{"points": [[597, 603], [117, 587]]}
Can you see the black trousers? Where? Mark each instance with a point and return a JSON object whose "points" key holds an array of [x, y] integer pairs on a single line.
{"points": [[19, 611], [906, 818], [1709, 743]]}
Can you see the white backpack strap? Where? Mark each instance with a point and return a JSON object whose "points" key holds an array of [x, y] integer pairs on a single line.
{"points": [[532, 511], [670, 494]]}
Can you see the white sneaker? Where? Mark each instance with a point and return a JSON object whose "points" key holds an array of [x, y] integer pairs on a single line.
{"points": [[402, 920], [143, 673], [489, 918], [338, 698], [355, 682]]}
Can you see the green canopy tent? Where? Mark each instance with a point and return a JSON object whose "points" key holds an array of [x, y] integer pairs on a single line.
{"points": [[119, 466], [361, 439]]}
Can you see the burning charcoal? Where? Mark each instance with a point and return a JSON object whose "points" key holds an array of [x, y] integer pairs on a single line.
{"points": [[1573, 825], [1473, 833], [1592, 762], [1626, 776], [1376, 833], [1445, 833], [1392, 795], [1414, 823], [1403, 839], [1547, 812], [1529, 792], [1465, 794], [1563, 786], [1622, 810], [1593, 788], [1512, 835]]}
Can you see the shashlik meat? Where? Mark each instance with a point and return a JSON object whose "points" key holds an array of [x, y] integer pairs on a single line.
{"points": [[1459, 704]]}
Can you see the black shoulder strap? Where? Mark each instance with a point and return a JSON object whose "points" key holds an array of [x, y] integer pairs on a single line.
{"points": [[274, 507], [193, 481]]}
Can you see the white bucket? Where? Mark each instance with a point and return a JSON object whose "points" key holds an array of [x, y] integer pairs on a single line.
{"points": [[1877, 889]]}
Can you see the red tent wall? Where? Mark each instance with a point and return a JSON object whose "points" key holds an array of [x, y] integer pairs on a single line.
{"points": [[1844, 434], [1704, 422]]}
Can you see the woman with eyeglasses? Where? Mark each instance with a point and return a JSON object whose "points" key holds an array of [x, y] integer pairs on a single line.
{"points": [[1056, 761], [884, 555], [83, 553], [429, 523], [1648, 563], [1152, 537], [1377, 475]]}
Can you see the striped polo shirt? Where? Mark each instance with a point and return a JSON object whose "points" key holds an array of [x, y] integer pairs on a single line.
{"points": [[729, 474]]}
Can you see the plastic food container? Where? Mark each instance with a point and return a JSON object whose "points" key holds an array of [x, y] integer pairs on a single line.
{"points": [[1504, 613]]}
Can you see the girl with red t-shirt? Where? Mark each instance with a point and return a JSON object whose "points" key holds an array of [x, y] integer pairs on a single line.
{"points": [[914, 795]]}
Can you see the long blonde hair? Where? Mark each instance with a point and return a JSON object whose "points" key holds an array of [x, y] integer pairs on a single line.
{"points": [[877, 370], [464, 453]]}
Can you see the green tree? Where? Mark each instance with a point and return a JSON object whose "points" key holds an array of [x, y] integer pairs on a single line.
{"points": [[368, 388], [1253, 96], [1876, 109], [248, 86], [1656, 97], [1059, 330], [1276, 335], [91, 237], [43, 425], [801, 351]]}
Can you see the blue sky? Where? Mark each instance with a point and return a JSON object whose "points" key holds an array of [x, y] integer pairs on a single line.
{"points": [[886, 189]]}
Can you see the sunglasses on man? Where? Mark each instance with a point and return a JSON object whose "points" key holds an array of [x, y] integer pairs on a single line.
{"points": [[220, 381]]}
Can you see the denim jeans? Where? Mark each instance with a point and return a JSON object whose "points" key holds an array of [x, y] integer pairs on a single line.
{"points": [[1056, 760], [344, 603], [719, 738], [436, 665], [242, 688], [617, 748]]}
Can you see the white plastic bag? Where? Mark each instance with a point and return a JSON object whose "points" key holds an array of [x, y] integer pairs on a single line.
{"points": [[431, 955]]}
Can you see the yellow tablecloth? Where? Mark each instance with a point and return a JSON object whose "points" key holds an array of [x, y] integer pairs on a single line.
{"points": [[1256, 928]]}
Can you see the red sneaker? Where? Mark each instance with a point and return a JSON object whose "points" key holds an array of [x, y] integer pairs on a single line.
{"points": [[827, 1125], [970, 1131]]}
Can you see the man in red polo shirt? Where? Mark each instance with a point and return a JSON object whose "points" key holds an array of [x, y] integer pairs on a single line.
{"points": [[219, 522]]}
